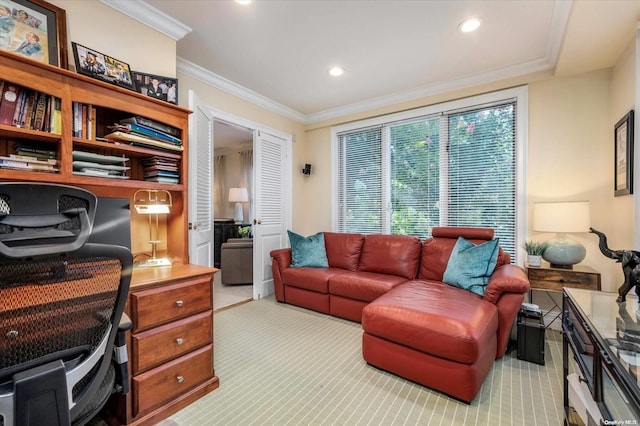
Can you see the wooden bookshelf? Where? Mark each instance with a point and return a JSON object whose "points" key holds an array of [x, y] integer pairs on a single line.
{"points": [[112, 103]]}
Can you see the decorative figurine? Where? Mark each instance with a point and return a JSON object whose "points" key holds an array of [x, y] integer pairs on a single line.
{"points": [[630, 260]]}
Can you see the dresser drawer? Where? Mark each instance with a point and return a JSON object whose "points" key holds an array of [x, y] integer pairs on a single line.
{"points": [[160, 305], [163, 384], [553, 279], [153, 347]]}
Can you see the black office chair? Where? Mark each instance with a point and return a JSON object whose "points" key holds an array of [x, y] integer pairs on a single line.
{"points": [[62, 302]]}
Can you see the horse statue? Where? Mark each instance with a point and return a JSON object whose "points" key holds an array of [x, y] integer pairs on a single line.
{"points": [[630, 260]]}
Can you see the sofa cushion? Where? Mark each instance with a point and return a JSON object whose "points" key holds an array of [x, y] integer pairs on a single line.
{"points": [[364, 286], [343, 250], [433, 318], [437, 249], [308, 251], [314, 279], [391, 254], [470, 266]]}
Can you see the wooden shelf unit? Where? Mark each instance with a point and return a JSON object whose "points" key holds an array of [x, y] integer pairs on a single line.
{"points": [[112, 104]]}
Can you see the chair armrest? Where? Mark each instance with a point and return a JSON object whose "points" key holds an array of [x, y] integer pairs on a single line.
{"points": [[506, 279], [120, 357]]}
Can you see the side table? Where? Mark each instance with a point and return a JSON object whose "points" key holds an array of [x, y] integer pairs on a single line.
{"points": [[553, 280]]}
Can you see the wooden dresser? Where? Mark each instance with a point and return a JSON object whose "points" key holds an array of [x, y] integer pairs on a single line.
{"points": [[170, 344]]}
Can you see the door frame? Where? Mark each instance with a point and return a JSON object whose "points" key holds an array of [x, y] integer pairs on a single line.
{"points": [[218, 115]]}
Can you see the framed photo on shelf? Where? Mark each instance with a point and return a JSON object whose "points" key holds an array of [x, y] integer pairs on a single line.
{"points": [[102, 67], [623, 136], [35, 29], [156, 86]]}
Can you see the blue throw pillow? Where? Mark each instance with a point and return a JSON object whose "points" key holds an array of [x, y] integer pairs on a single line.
{"points": [[309, 251], [470, 266]]}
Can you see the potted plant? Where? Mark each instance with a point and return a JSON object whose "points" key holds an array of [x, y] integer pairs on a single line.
{"points": [[534, 250], [244, 231]]}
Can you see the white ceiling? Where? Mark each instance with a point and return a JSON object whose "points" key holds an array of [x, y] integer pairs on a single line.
{"points": [[279, 52]]}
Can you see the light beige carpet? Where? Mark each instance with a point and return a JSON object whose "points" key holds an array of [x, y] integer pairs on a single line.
{"points": [[283, 365]]}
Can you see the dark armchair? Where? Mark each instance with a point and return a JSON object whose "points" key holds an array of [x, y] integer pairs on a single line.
{"points": [[236, 261]]}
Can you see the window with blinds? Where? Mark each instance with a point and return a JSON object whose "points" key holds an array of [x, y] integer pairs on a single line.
{"points": [[455, 168]]}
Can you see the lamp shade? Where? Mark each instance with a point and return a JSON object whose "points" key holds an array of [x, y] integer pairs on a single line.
{"points": [[562, 217], [238, 195]]}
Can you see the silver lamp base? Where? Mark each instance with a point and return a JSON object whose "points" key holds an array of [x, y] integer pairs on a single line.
{"points": [[563, 252]]}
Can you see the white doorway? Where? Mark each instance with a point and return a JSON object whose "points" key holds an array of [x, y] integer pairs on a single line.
{"points": [[269, 184]]}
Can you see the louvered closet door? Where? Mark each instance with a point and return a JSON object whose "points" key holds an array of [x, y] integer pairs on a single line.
{"points": [[270, 208], [200, 183]]}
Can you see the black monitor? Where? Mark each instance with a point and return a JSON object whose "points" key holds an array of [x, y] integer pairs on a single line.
{"points": [[112, 224]]}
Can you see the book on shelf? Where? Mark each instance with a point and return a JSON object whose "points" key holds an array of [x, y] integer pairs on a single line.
{"points": [[31, 159], [17, 113], [8, 103], [13, 163], [34, 151], [145, 131], [142, 141], [39, 112], [162, 179], [143, 121], [56, 115], [28, 116]]}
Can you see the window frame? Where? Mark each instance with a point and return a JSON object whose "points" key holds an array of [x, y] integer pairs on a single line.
{"points": [[520, 94]]}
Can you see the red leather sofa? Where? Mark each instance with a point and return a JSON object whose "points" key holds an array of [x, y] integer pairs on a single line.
{"points": [[414, 325]]}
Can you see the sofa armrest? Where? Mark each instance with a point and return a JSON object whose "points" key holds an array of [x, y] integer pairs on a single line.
{"points": [[506, 279], [281, 261], [282, 256]]}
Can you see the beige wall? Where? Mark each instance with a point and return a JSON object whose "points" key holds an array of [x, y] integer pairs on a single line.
{"points": [[100, 27]]}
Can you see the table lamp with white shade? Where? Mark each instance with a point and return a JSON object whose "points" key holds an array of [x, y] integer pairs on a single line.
{"points": [[562, 218], [238, 196]]}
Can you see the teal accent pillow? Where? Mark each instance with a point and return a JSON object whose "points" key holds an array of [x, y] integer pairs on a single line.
{"points": [[309, 251], [470, 266]]}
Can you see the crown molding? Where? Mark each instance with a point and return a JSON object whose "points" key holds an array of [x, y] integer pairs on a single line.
{"points": [[189, 68], [561, 12], [150, 16]]}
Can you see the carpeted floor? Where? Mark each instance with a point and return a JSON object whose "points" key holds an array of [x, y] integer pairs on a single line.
{"points": [[279, 364]]}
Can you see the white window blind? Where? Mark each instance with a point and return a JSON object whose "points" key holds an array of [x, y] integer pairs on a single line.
{"points": [[360, 181], [481, 179], [453, 168]]}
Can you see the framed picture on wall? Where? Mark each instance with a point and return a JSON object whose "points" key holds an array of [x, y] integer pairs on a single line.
{"points": [[35, 29], [623, 174], [156, 86]]}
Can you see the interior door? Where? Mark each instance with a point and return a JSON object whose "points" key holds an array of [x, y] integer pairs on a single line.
{"points": [[200, 183], [272, 206]]}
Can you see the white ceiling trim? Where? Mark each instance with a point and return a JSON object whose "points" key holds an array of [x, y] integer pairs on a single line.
{"points": [[150, 16], [226, 85]]}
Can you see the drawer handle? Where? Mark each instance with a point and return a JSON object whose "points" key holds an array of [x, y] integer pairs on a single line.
{"points": [[180, 379], [179, 340], [179, 303]]}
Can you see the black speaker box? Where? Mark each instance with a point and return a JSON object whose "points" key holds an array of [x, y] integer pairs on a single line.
{"points": [[531, 336]]}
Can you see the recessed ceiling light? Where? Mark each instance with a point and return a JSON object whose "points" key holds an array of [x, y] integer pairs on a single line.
{"points": [[469, 25], [243, 1], [336, 71]]}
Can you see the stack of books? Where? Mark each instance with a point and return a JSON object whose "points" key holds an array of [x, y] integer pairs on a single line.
{"points": [[30, 158], [161, 169], [141, 131], [29, 109]]}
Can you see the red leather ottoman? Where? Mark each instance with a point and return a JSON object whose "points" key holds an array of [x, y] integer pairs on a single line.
{"points": [[437, 335]]}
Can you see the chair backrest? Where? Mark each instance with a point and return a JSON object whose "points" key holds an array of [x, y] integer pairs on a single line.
{"points": [[61, 307]]}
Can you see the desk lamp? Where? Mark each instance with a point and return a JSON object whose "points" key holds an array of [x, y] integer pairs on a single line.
{"points": [[153, 202], [562, 218]]}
